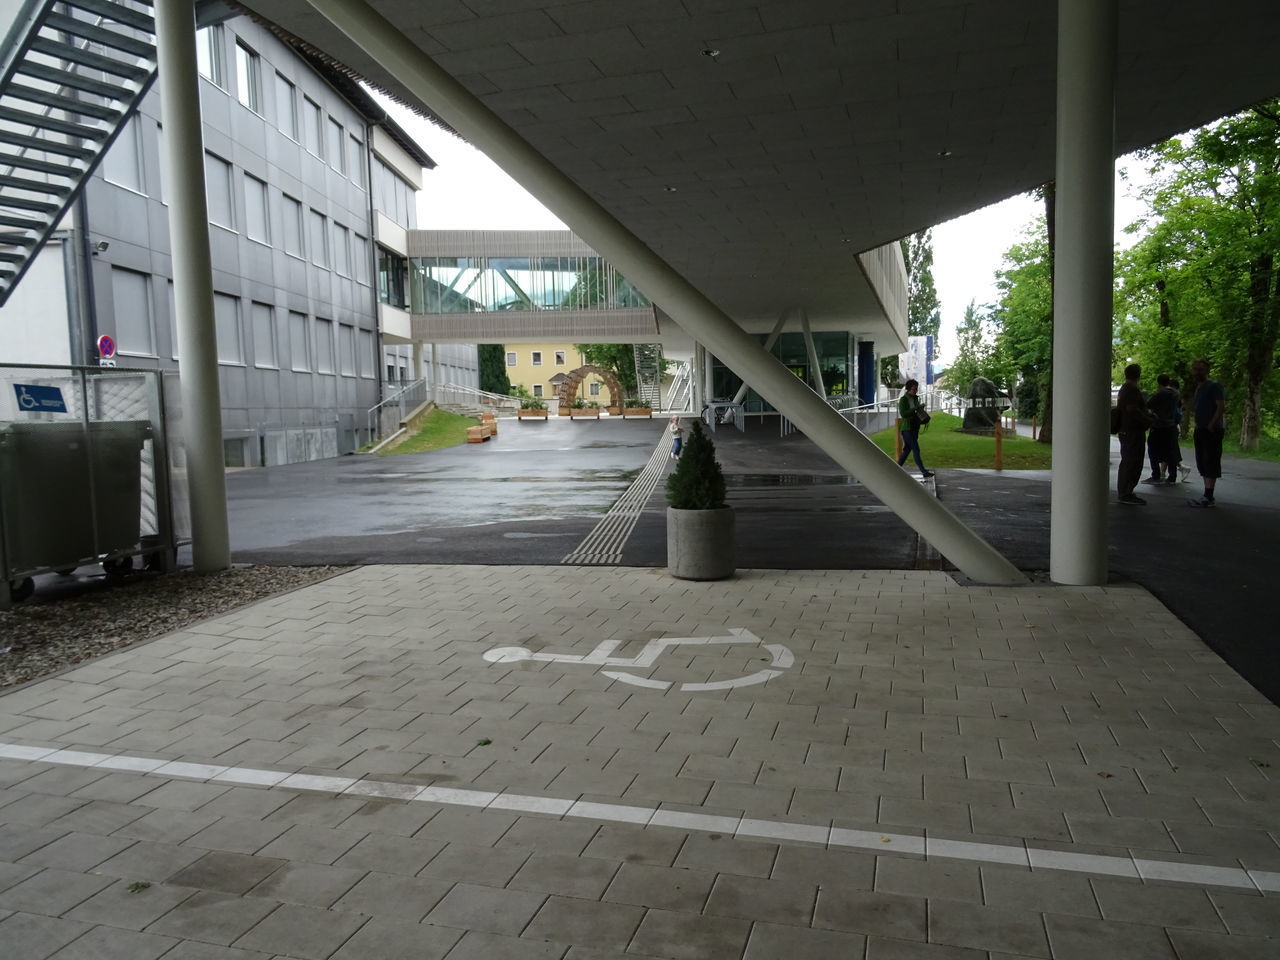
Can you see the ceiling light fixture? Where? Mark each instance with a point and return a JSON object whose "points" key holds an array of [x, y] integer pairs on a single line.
{"points": [[943, 154], [711, 52], [669, 188]]}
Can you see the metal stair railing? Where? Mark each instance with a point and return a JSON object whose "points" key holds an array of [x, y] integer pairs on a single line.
{"points": [[680, 393], [71, 74], [648, 362], [459, 393]]}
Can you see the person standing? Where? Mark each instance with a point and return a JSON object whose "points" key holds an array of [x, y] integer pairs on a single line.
{"points": [[1162, 439], [677, 437], [1133, 428], [1208, 406], [911, 416]]}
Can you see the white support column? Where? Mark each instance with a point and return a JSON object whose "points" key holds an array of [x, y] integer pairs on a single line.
{"points": [[696, 363], [435, 372], [702, 319], [192, 283], [1083, 290], [815, 370], [418, 371], [768, 347]]}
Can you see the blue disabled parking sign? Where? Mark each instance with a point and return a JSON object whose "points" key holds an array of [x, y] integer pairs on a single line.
{"points": [[36, 398]]}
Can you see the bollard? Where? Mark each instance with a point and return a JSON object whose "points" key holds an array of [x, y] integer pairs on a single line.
{"points": [[999, 445], [897, 440]]}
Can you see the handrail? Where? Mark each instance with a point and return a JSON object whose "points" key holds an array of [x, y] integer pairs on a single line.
{"points": [[496, 399]]}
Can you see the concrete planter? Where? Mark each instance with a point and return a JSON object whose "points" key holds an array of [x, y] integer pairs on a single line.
{"points": [[700, 543]]}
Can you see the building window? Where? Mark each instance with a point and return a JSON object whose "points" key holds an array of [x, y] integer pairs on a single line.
{"points": [[341, 250], [366, 354], [511, 358], [311, 119], [292, 226], [123, 163], [286, 108], [346, 350], [248, 81], [209, 53], [337, 146], [537, 389], [393, 278], [226, 319], [217, 175], [356, 166], [264, 334], [536, 356], [594, 388], [324, 346], [559, 358], [255, 210], [319, 240], [299, 359], [131, 300], [360, 252]]}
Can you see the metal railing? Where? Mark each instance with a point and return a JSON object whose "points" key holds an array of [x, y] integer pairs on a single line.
{"points": [[460, 393], [385, 417], [680, 393]]}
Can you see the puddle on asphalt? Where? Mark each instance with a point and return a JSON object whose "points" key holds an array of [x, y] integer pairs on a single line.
{"points": [[787, 480]]}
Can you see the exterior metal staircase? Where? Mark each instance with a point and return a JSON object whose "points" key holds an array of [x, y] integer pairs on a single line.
{"points": [[649, 374], [680, 393], [71, 73]]}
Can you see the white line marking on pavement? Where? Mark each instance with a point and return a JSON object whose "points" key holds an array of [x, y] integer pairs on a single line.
{"points": [[781, 830], [604, 544], [602, 655]]}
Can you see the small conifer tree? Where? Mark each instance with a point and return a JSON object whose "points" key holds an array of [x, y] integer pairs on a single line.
{"points": [[697, 482]]}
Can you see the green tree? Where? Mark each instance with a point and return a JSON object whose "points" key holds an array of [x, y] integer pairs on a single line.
{"points": [[618, 358], [697, 483], [1202, 279], [493, 368], [1023, 314], [924, 310], [973, 353]]}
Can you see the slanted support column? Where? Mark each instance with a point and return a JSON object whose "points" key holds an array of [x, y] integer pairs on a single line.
{"points": [[706, 323], [811, 349], [1083, 270], [768, 348], [192, 283]]}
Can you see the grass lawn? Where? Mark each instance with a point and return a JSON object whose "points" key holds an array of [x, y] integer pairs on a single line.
{"points": [[1268, 449], [440, 429], [944, 447]]}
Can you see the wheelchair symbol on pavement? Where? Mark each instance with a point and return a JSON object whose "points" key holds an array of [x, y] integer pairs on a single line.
{"points": [[602, 655]]}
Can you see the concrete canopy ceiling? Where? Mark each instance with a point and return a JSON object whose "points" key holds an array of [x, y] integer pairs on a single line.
{"points": [[819, 127]]}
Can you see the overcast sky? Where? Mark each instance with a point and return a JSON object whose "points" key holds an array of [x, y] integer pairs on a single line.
{"points": [[467, 191]]}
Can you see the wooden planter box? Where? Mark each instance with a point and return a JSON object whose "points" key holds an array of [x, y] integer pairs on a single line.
{"points": [[565, 410], [587, 414], [531, 414], [637, 412], [613, 411], [479, 434]]}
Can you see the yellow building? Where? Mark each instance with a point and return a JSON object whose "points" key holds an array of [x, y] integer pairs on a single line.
{"points": [[540, 367]]}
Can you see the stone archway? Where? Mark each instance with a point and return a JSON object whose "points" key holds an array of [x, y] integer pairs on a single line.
{"points": [[568, 389]]}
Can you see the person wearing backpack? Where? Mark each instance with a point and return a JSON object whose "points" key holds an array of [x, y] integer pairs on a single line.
{"points": [[911, 417]]}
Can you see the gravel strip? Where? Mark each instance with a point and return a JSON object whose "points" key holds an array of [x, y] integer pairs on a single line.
{"points": [[40, 637]]}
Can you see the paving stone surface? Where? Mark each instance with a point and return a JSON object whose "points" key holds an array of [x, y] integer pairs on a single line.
{"points": [[934, 770]]}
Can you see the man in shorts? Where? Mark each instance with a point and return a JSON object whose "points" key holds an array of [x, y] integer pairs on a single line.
{"points": [[1208, 405]]}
